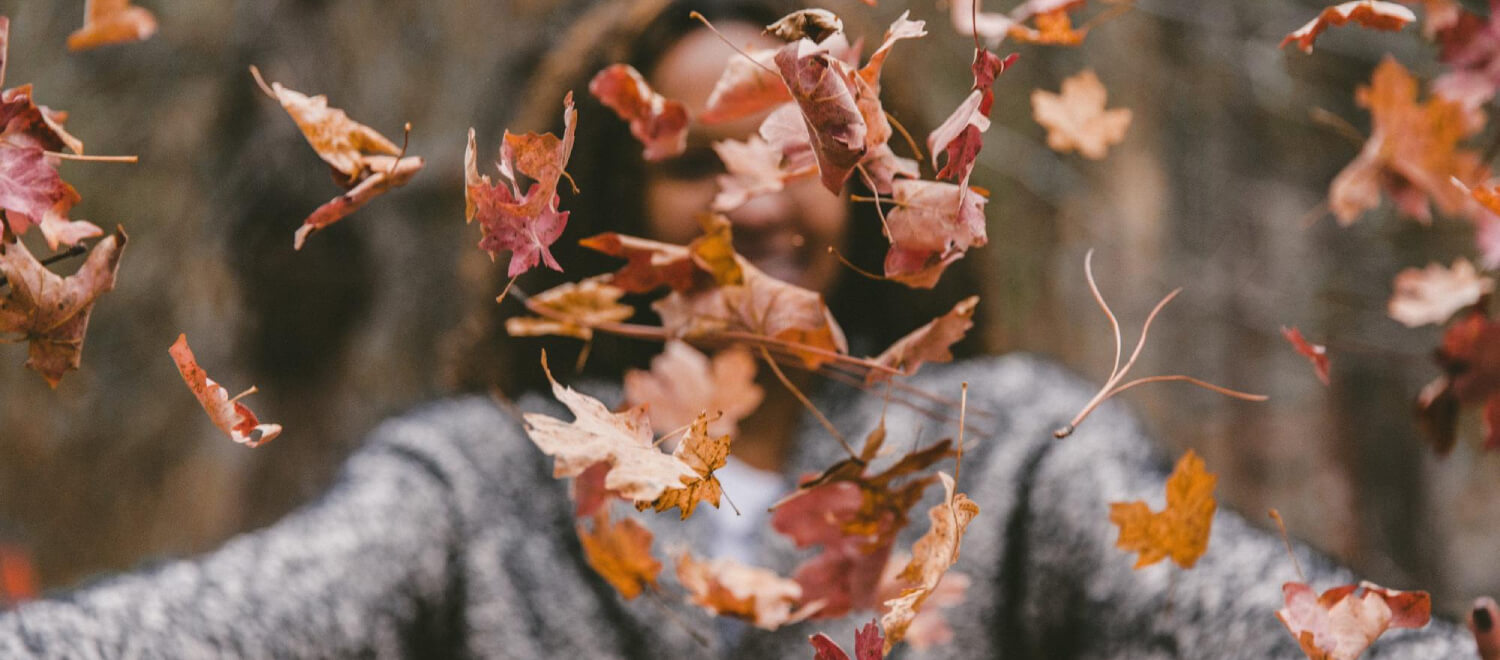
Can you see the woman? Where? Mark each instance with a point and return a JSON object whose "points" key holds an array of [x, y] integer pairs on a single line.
{"points": [[447, 535]]}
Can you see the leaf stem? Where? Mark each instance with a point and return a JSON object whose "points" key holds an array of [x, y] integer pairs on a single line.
{"points": [[93, 159], [787, 382]]}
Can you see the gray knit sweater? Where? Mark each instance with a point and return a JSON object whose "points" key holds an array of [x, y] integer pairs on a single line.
{"points": [[447, 536]]}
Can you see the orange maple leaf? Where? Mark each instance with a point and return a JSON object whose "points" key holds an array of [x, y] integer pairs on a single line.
{"points": [[1374, 14], [1181, 530], [704, 453], [108, 22], [726, 587], [1077, 120], [621, 553], [1412, 153]]}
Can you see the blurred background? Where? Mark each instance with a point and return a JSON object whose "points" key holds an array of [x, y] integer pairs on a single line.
{"points": [[1217, 188]]}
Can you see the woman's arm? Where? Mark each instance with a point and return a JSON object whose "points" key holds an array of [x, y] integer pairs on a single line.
{"points": [[1080, 598], [364, 571]]}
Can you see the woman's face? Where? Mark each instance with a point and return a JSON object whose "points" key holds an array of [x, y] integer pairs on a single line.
{"points": [[786, 233]]}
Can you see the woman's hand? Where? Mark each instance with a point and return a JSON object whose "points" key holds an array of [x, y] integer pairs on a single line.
{"points": [[1483, 620]]}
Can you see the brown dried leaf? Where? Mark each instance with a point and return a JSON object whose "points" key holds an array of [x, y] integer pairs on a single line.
{"points": [[621, 553], [812, 24], [1433, 294], [932, 555], [661, 124], [1077, 120], [684, 383], [726, 587], [52, 312], [585, 304], [639, 471], [1344, 621], [108, 22], [1179, 531], [1373, 14], [704, 453], [929, 343], [229, 415]]}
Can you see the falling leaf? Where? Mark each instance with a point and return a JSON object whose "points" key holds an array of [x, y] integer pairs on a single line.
{"points": [[582, 305], [869, 644], [959, 137], [1433, 294], [811, 24], [684, 383], [228, 414], [932, 226], [932, 555], [880, 164], [369, 163], [1179, 531], [620, 552], [969, 20], [661, 124], [930, 627], [52, 312], [31, 190], [1077, 120], [754, 169], [1469, 356], [726, 587], [1317, 354], [855, 517], [929, 343], [1373, 14], [649, 264], [1344, 621], [704, 453], [386, 173], [108, 22], [1412, 152], [638, 470], [524, 224], [1053, 28], [825, 89], [749, 85], [762, 306]]}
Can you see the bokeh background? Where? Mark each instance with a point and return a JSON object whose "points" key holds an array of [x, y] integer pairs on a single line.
{"points": [[1217, 188]]}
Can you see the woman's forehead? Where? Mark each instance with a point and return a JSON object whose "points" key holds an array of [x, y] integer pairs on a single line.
{"points": [[688, 70]]}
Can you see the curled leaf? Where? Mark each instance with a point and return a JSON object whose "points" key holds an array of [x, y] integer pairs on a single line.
{"points": [[661, 124], [1374, 14], [726, 587], [108, 22], [1317, 354], [1342, 622], [812, 24], [52, 312], [229, 415], [929, 343], [932, 555]]}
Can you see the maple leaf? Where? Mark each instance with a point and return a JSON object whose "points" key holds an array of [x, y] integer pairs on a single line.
{"points": [[748, 86], [228, 414], [1077, 120], [932, 226], [108, 22], [620, 552], [1344, 621], [524, 224], [1433, 294], [760, 305], [684, 383], [581, 306], [1179, 531], [929, 343], [726, 587], [881, 165], [868, 645], [649, 264], [1317, 354], [1412, 152], [958, 137], [1374, 14], [932, 555], [1053, 28], [704, 453], [661, 124], [369, 163], [855, 517], [638, 470], [826, 91], [52, 312], [1469, 356], [754, 169]]}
